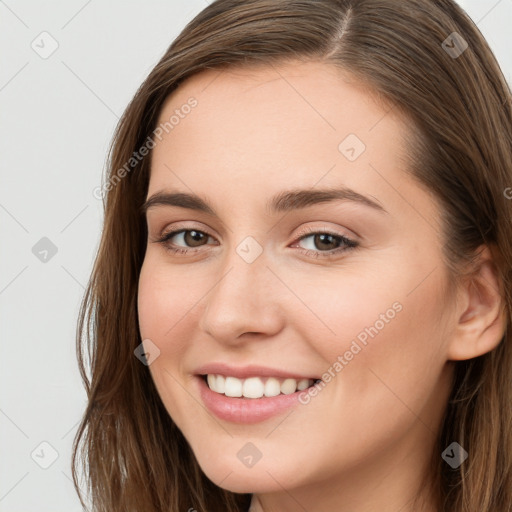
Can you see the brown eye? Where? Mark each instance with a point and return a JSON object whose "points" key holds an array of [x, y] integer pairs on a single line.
{"points": [[322, 241], [184, 239], [323, 244], [194, 238], [326, 241]]}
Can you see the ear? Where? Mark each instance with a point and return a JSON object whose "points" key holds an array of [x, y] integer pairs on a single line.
{"points": [[481, 313]]}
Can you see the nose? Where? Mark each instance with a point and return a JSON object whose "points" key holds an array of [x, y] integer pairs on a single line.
{"points": [[244, 300]]}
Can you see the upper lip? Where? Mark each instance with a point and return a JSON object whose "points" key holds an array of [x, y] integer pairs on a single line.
{"points": [[244, 372]]}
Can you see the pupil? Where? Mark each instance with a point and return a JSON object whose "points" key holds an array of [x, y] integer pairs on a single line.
{"points": [[321, 239], [195, 236]]}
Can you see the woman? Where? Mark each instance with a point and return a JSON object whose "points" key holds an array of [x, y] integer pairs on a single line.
{"points": [[267, 369]]}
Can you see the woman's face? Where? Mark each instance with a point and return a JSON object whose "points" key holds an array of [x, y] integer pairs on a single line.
{"points": [[346, 285]]}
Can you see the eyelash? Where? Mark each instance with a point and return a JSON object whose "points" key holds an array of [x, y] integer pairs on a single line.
{"points": [[347, 243]]}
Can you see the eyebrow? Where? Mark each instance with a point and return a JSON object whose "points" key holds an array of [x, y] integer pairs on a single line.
{"points": [[285, 201]]}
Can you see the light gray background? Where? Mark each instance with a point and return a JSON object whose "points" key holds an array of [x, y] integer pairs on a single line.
{"points": [[58, 115]]}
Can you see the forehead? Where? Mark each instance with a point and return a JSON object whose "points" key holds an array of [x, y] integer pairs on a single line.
{"points": [[256, 130], [297, 101]]}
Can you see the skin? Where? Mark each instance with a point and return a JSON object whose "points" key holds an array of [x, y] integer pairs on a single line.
{"points": [[363, 443]]}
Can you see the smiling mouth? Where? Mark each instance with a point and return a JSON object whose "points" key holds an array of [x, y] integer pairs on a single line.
{"points": [[255, 387]]}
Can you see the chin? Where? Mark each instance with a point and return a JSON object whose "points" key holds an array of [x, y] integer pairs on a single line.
{"points": [[261, 478]]}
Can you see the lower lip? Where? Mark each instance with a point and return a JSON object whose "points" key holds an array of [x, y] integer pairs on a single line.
{"points": [[245, 410]]}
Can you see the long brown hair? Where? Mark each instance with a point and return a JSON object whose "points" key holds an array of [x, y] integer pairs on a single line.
{"points": [[460, 113]]}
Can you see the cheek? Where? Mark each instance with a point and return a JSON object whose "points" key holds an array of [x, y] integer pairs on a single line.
{"points": [[369, 328], [163, 302], [384, 366], [150, 304], [160, 307]]}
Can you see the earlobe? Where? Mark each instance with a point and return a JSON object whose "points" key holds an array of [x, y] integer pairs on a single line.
{"points": [[482, 322]]}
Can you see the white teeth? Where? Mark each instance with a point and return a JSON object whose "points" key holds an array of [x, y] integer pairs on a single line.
{"points": [[233, 387], [220, 384], [255, 387], [216, 382], [289, 386], [303, 384], [272, 387]]}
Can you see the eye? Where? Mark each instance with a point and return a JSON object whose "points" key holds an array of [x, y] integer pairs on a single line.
{"points": [[326, 244], [323, 244], [191, 237]]}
